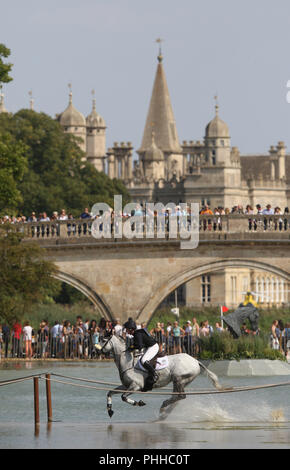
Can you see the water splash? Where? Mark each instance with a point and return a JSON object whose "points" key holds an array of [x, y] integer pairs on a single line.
{"points": [[214, 412]]}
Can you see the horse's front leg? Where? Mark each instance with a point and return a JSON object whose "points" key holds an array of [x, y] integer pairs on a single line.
{"points": [[131, 390], [109, 398]]}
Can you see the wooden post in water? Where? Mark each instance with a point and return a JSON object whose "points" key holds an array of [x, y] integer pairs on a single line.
{"points": [[36, 401], [48, 398]]}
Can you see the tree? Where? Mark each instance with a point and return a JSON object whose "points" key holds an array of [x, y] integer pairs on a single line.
{"points": [[5, 68], [13, 165], [57, 176], [25, 275]]}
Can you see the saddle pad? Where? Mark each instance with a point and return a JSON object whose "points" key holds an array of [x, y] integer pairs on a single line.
{"points": [[162, 362]]}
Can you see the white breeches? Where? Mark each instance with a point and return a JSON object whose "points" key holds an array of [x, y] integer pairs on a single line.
{"points": [[150, 353]]}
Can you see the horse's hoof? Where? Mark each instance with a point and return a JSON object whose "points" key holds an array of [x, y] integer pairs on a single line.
{"points": [[141, 403], [110, 413]]}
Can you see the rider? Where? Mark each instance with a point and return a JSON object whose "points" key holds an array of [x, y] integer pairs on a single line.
{"points": [[143, 339]]}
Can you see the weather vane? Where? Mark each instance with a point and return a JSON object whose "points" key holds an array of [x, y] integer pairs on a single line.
{"points": [[216, 102], [159, 41], [94, 99], [70, 92]]}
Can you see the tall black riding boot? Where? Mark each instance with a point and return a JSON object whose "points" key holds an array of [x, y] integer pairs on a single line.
{"points": [[152, 377]]}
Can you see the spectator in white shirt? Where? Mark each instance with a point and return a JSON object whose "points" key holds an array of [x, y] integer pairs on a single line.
{"points": [[27, 337]]}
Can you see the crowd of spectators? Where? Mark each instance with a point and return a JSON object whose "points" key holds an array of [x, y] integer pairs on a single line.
{"points": [[81, 340], [43, 217], [60, 340], [140, 210], [248, 210]]}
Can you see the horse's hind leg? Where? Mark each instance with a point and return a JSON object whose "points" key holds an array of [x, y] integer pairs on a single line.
{"points": [[178, 388]]}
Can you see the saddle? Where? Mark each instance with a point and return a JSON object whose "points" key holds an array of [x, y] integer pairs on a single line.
{"points": [[154, 359], [160, 361]]}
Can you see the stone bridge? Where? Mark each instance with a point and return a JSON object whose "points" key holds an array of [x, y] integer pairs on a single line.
{"points": [[131, 277]]}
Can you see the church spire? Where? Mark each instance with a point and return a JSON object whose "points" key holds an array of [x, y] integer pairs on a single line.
{"points": [[161, 114]]}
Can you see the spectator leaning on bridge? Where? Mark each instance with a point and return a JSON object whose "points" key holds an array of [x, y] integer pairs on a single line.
{"points": [[63, 215], [268, 210], [86, 214]]}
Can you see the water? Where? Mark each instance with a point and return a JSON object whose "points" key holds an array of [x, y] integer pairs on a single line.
{"points": [[254, 419]]}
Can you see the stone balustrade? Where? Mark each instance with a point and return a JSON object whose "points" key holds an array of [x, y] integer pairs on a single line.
{"points": [[209, 225]]}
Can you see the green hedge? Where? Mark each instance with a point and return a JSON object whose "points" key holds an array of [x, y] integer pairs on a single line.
{"points": [[223, 346]]}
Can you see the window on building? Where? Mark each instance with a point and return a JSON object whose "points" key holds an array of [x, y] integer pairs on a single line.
{"points": [[270, 290], [222, 143], [205, 289], [234, 289], [245, 284], [213, 160]]}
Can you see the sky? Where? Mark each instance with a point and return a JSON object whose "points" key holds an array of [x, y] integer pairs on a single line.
{"points": [[239, 50]]}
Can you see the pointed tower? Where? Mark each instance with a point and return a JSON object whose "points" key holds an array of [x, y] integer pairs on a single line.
{"points": [[160, 115], [73, 122], [153, 161], [96, 138]]}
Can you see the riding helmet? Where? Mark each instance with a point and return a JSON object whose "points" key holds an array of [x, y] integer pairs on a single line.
{"points": [[130, 324]]}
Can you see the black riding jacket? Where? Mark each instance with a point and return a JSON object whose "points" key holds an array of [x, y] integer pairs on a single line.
{"points": [[143, 339]]}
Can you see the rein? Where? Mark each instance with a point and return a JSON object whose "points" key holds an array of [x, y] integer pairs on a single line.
{"points": [[123, 352]]}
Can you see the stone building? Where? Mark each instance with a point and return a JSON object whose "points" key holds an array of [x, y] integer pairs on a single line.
{"points": [[209, 171]]}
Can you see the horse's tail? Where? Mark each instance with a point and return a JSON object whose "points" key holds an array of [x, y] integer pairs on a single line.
{"points": [[212, 377]]}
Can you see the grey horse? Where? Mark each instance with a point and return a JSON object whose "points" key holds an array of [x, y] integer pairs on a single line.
{"points": [[181, 370]]}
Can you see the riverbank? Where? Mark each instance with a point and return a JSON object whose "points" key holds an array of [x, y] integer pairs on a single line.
{"points": [[249, 368]]}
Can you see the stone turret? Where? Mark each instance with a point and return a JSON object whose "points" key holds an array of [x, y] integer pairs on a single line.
{"points": [[73, 122], [217, 141], [96, 138], [281, 154]]}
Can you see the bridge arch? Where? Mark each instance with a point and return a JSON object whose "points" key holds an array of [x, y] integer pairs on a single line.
{"points": [[95, 298], [180, 278]]}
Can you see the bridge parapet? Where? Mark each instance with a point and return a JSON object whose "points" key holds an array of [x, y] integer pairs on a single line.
{"points": [[210, 226]]}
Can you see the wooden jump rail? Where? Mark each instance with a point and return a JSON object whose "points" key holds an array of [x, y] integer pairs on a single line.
{"points": [[36, 378]]}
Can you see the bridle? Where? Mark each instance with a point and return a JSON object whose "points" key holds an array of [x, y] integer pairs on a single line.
{"points": [[127, 349], [105, 344]]}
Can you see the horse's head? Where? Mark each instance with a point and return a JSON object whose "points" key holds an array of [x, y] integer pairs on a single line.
{"points": [[112, 343]]}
